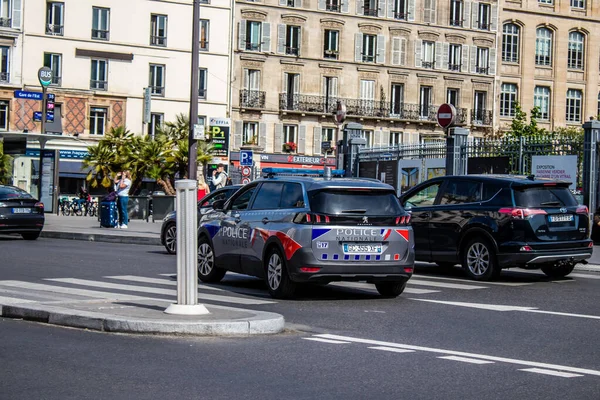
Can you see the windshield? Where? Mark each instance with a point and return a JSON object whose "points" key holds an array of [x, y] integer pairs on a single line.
{"points": [[546, 196], [358, 202], [7, 193]]}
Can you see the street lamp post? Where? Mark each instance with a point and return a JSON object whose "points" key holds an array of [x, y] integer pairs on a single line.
{"points": [[193, 149]]}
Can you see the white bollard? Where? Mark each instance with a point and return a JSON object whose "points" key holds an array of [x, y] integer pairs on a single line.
{"points": [[187, 250]]}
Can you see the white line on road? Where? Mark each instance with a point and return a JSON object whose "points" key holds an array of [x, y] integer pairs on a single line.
{"points": [[462, 280], [445, 285], [563, 314], [550, 372], [8, 301], [467, 360], [370, 286], [326, 340], [391, 349], [157, 281], [461, 354]]}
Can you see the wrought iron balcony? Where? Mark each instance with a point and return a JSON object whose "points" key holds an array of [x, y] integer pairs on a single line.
{"points": [[291, 50], [481, 117], [370, 12], [100, 34], [4, 77], [454, 67], [333, 7], [331, 54], [401, 15], [428, 64], [252, 46], [461, 116], [252, 99], [158, 40], [482, 70], [5, 22], [98, 85], [456, 22], [57, 30], [483, 25]]}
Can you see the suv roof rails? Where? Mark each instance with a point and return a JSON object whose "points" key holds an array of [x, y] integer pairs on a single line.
{"points": [[272, 172]]}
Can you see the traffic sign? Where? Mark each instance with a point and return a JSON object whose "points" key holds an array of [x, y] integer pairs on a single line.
{"points": [[45, 76], [246, 158], [446, 115], [325, 145], [37, 116], [340, 112], [245, 181], [246, 171], [199, 133]]}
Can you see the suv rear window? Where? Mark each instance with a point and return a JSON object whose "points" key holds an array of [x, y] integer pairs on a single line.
{"points": [[545, 196], [359, 202], [7, 193]]}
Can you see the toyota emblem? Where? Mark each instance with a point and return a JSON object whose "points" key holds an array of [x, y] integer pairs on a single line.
{"points": [[563, 210]]}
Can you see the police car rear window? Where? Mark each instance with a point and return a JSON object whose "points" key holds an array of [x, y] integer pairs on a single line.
{"points": [[354, 202]]}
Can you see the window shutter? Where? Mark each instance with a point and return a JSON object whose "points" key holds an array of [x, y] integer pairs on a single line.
{"points": [[299, 41], [438, 54], [390, 8], [298, 3], [492, 64], [246, 82], [464, 66], [402, 51], [358, 39], [385, 138], [317, 140], [278, 140], [380, 49], [297, 84], [345, 6], [411, 10], [377, 138], [16, 14], [418, 46], [284, 83], [414, 138], [432, 12], [242, 35], [237, 134], [281, 38], [474, 14], [396, 50], [382, 8], [494, 18], [360, 7], [466, 14], [321, 5], [262, 135], [302, 139], [473, 59], [427, 11], [445, 51], [334, 87], [266, 37]]}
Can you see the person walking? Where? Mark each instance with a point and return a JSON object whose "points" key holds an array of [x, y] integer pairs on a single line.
{"points": [[122, 186], [219, 178]]}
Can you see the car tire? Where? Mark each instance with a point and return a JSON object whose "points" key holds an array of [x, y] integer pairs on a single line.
{"points": [[30, 236], [558, 272], [390, 289], [276, 275], [479, 260], [171, 238], [207, 271]]}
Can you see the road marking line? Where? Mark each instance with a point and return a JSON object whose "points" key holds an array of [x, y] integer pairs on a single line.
{"points": [[391, 349], [371, 287], [158, 281], [482, 306], [583, 276], [461, 354], [326, 340], [563, 314], [462, 280], [550, 372], [7, 301], [467, 360], [169, 292], [445, 285]]}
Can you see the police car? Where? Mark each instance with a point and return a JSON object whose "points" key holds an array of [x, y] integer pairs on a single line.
{"points": [[293, 227]]}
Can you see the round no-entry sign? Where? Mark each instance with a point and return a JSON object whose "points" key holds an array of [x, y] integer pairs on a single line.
{"points": [[340, 112], [246, 171], [446, 115]]}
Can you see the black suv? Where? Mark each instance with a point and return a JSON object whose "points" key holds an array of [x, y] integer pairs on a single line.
{"points": [[490, 222]]}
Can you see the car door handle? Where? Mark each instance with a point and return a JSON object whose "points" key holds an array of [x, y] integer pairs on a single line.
{"points": [[265, 220], [424, 215]]}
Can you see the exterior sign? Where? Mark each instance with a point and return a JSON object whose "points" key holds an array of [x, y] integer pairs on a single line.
{"points": [[446, 115], [325, 145], [340, 112], [246, 158], [37, 116], [219, 130], [68, 154], [289, 159], [147, 105], [45, 76], [555, 167], [22, 94]]}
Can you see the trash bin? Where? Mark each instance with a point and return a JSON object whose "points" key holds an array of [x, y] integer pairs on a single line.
{"points": [[161, 206]]}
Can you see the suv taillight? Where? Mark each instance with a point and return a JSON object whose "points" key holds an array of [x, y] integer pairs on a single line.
{"points": [[403, 220], [522, 213], [582, 210], [311, 218]]}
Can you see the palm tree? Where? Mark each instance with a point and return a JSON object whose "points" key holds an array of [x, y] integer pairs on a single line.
{"points": [[155, 161], [6, 163], [103, 162]]}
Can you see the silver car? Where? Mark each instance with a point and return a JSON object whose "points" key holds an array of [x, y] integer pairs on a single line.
{"points": [[291, 230]]}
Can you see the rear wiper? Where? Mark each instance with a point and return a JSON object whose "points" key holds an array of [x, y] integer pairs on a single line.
{"points": [[551, 203], [355, 211]]}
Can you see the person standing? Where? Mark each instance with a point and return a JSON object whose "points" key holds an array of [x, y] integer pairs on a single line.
{"points": [[122, 186], [219, 178]]}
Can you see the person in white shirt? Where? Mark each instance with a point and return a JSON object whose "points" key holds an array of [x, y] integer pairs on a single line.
{"points": [[219, 178], [122, 186]]}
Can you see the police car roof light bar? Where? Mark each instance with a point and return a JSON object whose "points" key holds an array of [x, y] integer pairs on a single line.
{"points": [[300, 172]]}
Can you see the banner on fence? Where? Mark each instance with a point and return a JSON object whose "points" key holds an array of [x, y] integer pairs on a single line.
{"points": [[555, 167]]}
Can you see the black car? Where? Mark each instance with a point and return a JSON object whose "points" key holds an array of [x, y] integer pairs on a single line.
{"points": [[20, 213], [168, 231], [490, 222]]}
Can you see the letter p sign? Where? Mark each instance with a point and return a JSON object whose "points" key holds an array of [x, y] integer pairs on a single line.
{"points": [[246, 158]]}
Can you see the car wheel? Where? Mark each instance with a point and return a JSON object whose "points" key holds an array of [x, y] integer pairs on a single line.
{"points": [[390, 289], [558, 272], [30, 236], [171, 239], [278, 280], [479, 260], [207, 272]]}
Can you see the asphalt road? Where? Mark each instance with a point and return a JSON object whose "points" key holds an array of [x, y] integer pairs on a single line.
{"points": [[525, 337]]}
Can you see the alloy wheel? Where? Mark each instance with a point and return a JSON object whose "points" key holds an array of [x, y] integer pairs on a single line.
{"points": [[171, 239], [478, 259], [206, 259], [274, 271]]}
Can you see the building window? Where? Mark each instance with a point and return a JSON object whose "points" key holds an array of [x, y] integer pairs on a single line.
{"points": [[574, 105], [397, 99], [202, 75], [368, 136], [156, 122], [158, 26], [545, 1], [484, 17], [455, 57], [541, 100], [400, 9], [99, 75], [429, 14], [428, 60], [370, 8], [100, 23], [333, 5], [508, 99], [54, 62], [204, 34], [4, 64], [289, 135], [578, 3], [250, 134], [510, 43], [327, 135], [483, 58], [452, 96], [396, 139], [4, 115], [369, 48], [292, 40], [157, 80], [480, 115], [253, 35], [456, 13], [5, 14], [598, 112], [425, 102], [575, 55], [330, 45], [98, 121], [543, 46], [55, 18]]}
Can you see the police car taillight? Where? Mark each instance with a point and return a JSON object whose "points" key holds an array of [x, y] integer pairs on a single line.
{"points": [[311, 218], [403, 220]]}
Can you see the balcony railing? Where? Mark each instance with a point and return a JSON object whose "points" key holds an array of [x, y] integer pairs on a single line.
{"points": [[157, 90], [454, 67], [291, 50], [158, 40], [481, 117], [403, 16], [98, 85], [4, 77], [428, 64], [482, 70], [5, 22], [57, 30], [370, 12], [251, 46], [252, 99], [100, 34], [483, 25], [331, 54], [456, 22], [333, 7], [368, 58]]}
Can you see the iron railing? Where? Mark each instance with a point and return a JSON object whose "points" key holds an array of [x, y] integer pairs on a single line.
{"points": [[292, 50], [333, 7], [5, 22], [4, 77], [403, 16], [484, 25], [481, 117], [57, 30], [252, 99], [98, 85], [454, 67], [157, 90], [158, 40], [370, 12], [100, 34], [456, 22]]}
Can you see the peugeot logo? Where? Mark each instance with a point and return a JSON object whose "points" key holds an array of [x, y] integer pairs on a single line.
{"points": [[365, 220], [563, 210]]}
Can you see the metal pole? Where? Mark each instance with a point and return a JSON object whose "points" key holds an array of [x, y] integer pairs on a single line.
{"points": [[187, 255], [193, 149], [42, 142]]}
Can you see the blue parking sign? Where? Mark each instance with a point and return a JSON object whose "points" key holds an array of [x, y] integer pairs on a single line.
{"points": [[246, 158]]}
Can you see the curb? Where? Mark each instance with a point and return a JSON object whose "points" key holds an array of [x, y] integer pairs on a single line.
{"points": [[261, 323], [95, 237]]}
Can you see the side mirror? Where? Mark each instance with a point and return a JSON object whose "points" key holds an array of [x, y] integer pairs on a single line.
{"points": [[218, 205]]}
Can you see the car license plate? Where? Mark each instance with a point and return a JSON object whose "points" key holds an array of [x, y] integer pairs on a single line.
{"points": [[21, 210], [561, 218], [362, 248]]}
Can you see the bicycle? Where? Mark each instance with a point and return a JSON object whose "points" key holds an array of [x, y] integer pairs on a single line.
{"points": [[92, 209], [64, 206]]}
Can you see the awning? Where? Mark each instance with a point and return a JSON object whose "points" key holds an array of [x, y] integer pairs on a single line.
{"points": [[72, 169]]}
